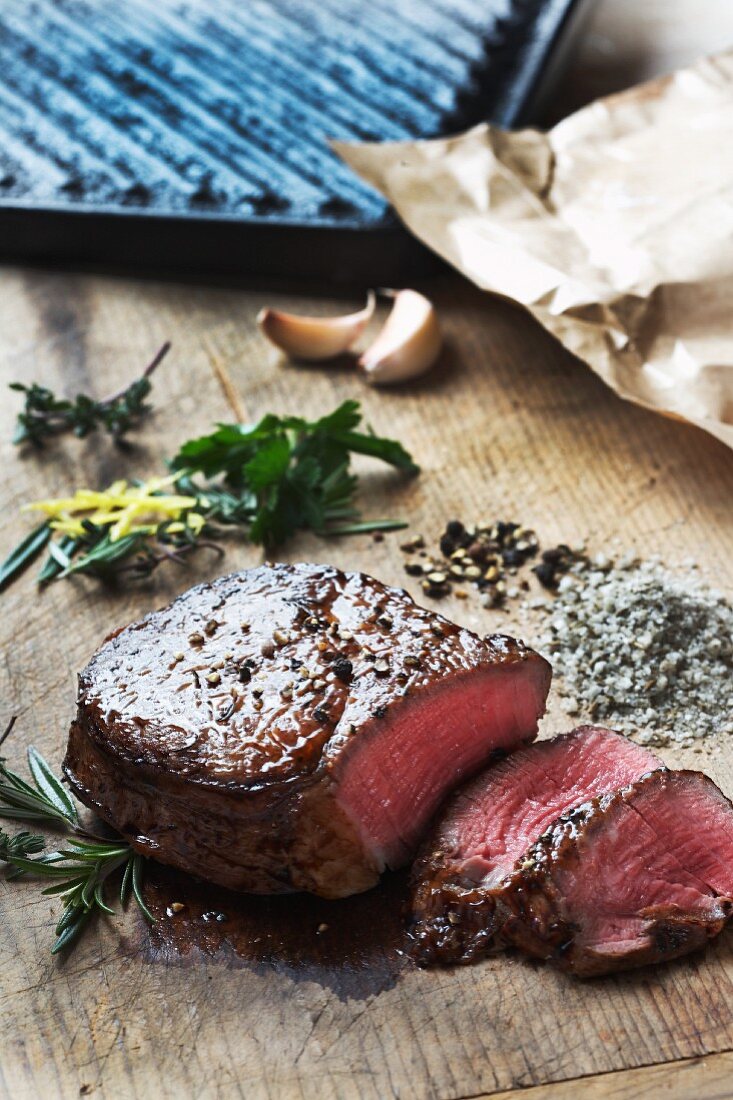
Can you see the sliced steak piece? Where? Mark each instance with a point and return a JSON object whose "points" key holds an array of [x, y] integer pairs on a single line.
{"points": [[293, 727], [638, 876], [458, 878]]}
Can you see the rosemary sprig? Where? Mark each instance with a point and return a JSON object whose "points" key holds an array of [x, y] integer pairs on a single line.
{"points": [[81, 869], [46, 415]]}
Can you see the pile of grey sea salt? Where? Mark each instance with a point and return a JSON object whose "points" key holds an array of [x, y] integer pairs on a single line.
{"points": [[635, 647]]}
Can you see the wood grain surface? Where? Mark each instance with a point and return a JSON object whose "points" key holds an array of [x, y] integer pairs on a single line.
{"points": [[691, 1079], [510, 426]]}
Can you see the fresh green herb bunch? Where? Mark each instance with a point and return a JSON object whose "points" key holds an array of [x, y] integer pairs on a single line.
{"points": [[82, 868], [46, 415], [269, 480], [286, 473], [97, 554]]}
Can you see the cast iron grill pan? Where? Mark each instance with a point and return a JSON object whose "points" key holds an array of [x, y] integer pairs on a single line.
{"points": [[194, 136]]}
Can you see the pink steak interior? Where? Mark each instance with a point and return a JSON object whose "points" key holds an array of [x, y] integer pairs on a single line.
{"points": [[505, 809], [397, 774], [668, 848]]}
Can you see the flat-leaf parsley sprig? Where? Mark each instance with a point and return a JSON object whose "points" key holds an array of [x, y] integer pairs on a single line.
{"points": [[269, 479], [285, 474], [82, 868], [45, 415]]}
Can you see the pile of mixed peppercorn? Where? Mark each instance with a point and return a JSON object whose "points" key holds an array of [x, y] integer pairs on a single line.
{"points": [[487, 556]]}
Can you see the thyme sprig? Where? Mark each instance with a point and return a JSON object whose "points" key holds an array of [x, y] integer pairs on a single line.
{"points": [[46, 415], [82, 867], [268, 480]]}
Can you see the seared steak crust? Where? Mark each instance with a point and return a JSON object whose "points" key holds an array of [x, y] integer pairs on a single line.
{"points": [[230, 733], [452, 919]]}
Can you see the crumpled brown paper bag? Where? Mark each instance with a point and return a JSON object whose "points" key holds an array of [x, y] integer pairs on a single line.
{"points": [[615, 229]]}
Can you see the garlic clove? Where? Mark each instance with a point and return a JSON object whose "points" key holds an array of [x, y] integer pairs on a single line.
{"points": [[313, 338], [408, 344]]}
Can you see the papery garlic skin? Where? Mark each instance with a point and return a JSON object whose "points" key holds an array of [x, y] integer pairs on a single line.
{"points": [[313, 338], [408, 344]]}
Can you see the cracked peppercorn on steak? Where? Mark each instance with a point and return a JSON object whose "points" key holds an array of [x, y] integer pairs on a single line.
{"points": [[293, 727]]}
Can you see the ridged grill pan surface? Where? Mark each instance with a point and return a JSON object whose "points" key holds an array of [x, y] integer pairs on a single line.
{"points": [[193, 134]]}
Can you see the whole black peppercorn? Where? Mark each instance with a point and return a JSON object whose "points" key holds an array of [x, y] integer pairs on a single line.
{"points": [[343, 669], [512, 557], [447, 545], [245, 670], [546, 574]]}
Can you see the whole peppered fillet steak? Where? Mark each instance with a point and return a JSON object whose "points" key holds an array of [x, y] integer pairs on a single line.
{"points": [[460, 875], [293, 727]]}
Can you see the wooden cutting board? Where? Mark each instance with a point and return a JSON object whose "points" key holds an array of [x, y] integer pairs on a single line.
{"points": [[509, 426]]}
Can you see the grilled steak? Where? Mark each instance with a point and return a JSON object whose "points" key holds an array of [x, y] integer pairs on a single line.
{"points": [[292, 727], [459, 877], [638, 876]]}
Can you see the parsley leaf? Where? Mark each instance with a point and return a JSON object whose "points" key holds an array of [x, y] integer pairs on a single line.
{"points": [[287, 473]]}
